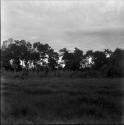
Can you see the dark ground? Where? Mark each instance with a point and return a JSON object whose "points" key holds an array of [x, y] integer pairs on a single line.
{"points": [[61, 100]]}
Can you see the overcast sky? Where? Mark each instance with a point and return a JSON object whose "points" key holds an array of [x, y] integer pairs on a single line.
{"points": [[86, 24]]}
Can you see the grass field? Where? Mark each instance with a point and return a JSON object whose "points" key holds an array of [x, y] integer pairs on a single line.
{"points": [[61, 100]]}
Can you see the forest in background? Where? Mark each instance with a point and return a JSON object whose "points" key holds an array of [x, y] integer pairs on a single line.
{"points": [[21, 55]]}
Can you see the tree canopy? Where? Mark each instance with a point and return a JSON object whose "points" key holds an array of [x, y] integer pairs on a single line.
{"points": [[38, 56]]}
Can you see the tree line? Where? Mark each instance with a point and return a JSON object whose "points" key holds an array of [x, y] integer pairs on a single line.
{"points": [[21, 55]]}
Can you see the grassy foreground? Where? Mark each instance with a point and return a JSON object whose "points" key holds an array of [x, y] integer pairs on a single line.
{"points": [[36, 100]]}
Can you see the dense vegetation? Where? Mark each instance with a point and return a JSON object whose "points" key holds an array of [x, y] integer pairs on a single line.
{"points": [[41, 57]]}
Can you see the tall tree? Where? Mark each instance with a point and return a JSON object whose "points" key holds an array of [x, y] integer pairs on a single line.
{"points": [[77, 58], [99, 59], [72, 59], [116, 67], [43, 50], [53, 59], [87, 60]]}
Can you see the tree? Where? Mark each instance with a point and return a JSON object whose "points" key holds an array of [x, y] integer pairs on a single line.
{"points": [[72, 59], [43, 50], [68, 58], [77, 58], [19, 51], [108, 52], [53, 59], [116, 67], [64, 54], [34, 57], [5, 58], [99, 59], [16, 51], [87, 60]]}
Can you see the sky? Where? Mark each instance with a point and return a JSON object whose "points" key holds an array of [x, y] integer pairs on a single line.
{"points": [[86, 24]]}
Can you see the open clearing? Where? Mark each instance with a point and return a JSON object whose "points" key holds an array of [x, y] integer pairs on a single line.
{"points": [[61, 100]]}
